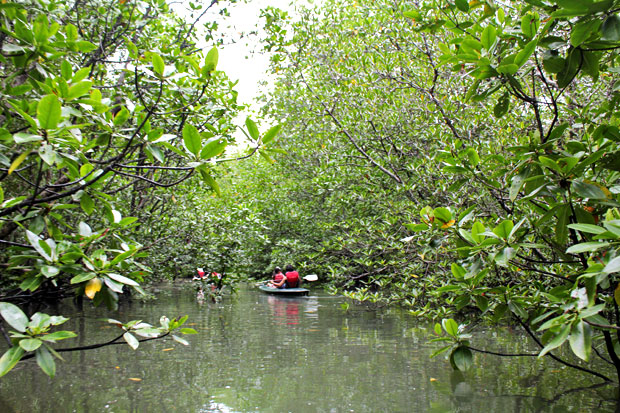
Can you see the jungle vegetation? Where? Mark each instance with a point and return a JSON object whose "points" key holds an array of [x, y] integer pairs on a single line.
{"points": [[459, 159]]}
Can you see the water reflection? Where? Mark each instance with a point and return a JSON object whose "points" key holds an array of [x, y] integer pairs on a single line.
{"points": [[256, 352], [284, 310]]}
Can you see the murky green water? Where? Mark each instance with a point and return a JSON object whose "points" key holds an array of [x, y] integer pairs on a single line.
{"points": [[268, 354]]}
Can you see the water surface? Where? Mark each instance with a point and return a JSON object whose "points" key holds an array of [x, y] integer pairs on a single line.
{"points": [[261, 353]]}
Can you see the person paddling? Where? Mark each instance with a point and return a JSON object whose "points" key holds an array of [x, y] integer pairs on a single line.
{"points": [[292, 277]]}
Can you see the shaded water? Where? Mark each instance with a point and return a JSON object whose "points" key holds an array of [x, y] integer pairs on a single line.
{"points": [[262, 353]]}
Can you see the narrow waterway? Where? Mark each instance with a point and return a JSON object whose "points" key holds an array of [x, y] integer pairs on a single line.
{"points": [[260, 353]]}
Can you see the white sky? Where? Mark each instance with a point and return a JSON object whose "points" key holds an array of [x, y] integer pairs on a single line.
{"points": [[243, 60], [237, 60]]}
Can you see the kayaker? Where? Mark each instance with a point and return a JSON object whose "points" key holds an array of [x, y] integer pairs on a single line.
{"points": [[279, 280], [200, 274], [292, 277]]}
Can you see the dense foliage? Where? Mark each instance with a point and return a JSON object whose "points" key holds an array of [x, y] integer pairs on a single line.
{"points": [[460, 158], [457, 158], [106, 108]]}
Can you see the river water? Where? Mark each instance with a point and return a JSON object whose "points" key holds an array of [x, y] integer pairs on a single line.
{"points": [[260, 353]]}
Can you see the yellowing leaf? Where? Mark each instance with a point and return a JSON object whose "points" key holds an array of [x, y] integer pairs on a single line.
{"points": [[448, 224], [617, 294], [92, 286], [18, 161], [168, 349], [432, 379], [135, 379]]}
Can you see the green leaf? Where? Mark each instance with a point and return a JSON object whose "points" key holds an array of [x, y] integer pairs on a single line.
{"points": [[580, 340], [462, 358], [10, 359], [443, 214], [458, 271], [49, 112], [211, 182], [158, 64], [589, 228], [610, 29], [85, 46], [122, 279], [571, 68], [211, 61], [529, 25], [462, 5], [49, 271], [131, 340], [66, 70], [557, 341], [188, 331], [82, 277], [192, 139], [473, 157], [127, 221], [525, 53], [504, 229], [451, 327], [14, 316], [213, 147], [252, 129], [586, 190], [46, 361], [416, 227], [30, 344], [582, 31], [79, 89], [271, 134], [612, 266], [586, 247], [58, 335], [517, 310], [121, 117], [489, 35], [87, 204]]}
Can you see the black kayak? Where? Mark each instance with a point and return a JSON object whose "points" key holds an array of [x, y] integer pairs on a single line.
{"points": [[283, 291]]}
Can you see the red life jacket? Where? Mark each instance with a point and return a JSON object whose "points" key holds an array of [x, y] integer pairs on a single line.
{"points": [[278, 277], [201, 274], [292, 279]]}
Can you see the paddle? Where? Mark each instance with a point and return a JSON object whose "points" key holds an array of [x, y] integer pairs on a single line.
{"points": [[311, 277]]}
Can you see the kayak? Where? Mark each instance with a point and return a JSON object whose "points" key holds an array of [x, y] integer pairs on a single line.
{"points": [[283, 291]]}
